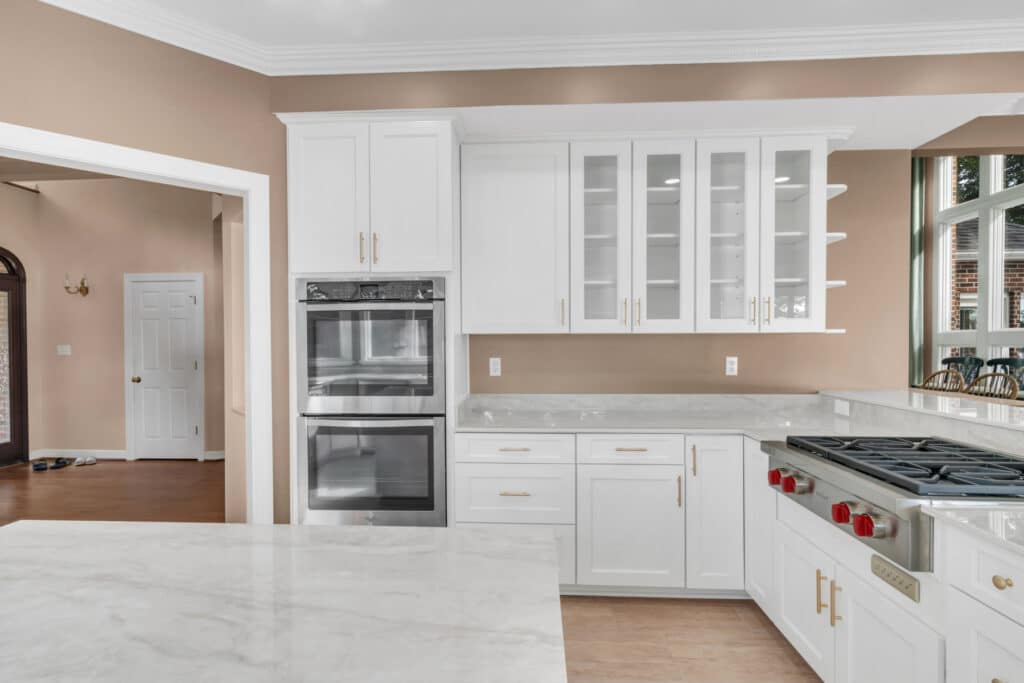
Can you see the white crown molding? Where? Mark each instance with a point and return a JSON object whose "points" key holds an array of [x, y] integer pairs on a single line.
{"points": [[557, 51]]}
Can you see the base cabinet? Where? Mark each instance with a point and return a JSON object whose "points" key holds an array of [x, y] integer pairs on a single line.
{"points": [[759, 528], [983, 646], [630, 525], [714, 512]]}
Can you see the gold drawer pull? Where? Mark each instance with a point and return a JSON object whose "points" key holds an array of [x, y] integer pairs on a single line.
{"points": [[514, 494], [694, 462], [832, 616], [997, 680], [818, 604], [630, 450], [1002, 582], [679, 491], [513, 450]]}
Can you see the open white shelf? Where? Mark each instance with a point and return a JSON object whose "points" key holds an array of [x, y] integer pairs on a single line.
{"points": [[834, 237], [662, 283], [835, 189], [832, 284], [837, 330]]}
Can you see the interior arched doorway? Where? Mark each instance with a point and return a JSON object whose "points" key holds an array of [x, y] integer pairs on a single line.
{"points": [[13, 361]]}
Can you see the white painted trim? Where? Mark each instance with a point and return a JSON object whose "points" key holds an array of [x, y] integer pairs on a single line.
{"points": [[40, 453], [636, 592], [45, 147], [129, 404], [212, 455], [690, 47]]}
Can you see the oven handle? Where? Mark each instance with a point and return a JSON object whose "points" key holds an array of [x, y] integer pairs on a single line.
{"points": [[371, 306], [368, 424]]}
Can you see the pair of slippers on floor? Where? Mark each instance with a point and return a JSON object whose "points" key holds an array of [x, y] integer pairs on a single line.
{"points": [[61, 463]]}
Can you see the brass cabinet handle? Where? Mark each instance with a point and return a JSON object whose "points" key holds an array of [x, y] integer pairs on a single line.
{"points": [[630, 450], [638, 312], [693, 462], [136, 379], [513, 450], [768, 311], [563, 312], [362, 247], [514, 494], [1002, 582], [818, 604], [997, 680], [376, 249], [679, 490], [625, 311], [753, 310], [832, 616]]}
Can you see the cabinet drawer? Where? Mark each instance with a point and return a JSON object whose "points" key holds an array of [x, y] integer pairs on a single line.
{"points": [[981, 644], [525, 494], [565, 542], [631, 449], [515, 448], [990, 574]]}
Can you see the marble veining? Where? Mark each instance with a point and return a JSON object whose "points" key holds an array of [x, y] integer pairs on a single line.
{"points": [[208, 602], [1002, 524], [955, 406]]}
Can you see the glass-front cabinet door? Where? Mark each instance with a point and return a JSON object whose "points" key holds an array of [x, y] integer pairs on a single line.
{"points": [[793, 234], [727, 235], [663, 206], [599, 220]]}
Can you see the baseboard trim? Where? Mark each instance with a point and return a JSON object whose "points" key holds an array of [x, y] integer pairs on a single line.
{"points": [[636, 592], [42, 453], [213, 455]]}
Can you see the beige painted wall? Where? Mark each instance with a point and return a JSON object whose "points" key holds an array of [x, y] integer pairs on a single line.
{"points": [[873, 308], [70, 70], [104, 228]]}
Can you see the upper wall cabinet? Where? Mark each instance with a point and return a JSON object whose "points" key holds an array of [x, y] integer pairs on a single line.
{"points": [[515, 238], [370, 196]]}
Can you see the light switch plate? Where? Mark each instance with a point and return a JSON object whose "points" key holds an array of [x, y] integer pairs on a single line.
{"points": [[495, 367], [732, 366], [63, 349]]}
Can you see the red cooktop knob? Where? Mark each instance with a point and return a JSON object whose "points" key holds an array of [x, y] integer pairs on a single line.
{"points": [[795, 483], [774, 477], [789, 484], [841, 513], [864, 525]]}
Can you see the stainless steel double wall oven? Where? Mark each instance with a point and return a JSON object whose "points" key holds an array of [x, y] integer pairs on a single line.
{"points": [[371, 393]]}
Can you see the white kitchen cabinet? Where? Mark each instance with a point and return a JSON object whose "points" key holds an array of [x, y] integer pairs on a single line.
{"points": [[630, 525], [328, 197], [631, 449], [727, 229], [759, 527], [793, 234], [714, 512], [663, 237], [411, 198], [802, 575], [982, 645], [515, 238], [515, 493], [877, 641], [601, 242]]}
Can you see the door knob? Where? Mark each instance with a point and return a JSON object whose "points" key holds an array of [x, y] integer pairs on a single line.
{"points": [[136, 380]]}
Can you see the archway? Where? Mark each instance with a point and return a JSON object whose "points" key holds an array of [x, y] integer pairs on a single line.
{"points": [[13, 361]]}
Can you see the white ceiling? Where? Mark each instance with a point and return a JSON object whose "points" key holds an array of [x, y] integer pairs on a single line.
{"points": [[350, 36]]}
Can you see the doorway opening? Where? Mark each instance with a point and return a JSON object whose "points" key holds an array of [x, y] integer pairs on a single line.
{"points": [[13, 361]]}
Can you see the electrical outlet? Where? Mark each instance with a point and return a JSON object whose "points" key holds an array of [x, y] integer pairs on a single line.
{"points": [[496, 367], [732, 366], [842, 407], [63, 349]]}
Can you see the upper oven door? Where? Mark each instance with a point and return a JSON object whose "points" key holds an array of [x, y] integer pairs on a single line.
{"points": [[371, 358]]}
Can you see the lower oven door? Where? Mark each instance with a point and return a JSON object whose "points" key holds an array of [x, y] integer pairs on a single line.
{"points": [[365, 471]]}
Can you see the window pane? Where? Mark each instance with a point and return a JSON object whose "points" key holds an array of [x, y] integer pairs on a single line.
{"points": [[963, 269], [1011, 314], [964, 181], [1013, 170], [5, 368]]}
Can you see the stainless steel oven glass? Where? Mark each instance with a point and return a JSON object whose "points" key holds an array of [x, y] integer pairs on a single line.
{"points": [[372, 347], [382, 471]]}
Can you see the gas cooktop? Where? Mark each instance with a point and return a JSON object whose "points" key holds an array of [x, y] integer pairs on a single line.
{"points": [[924, 466]]}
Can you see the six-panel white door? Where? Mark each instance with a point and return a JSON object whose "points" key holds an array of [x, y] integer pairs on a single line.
{"points": [[663, 238], [328, 197], [601, 242], [411, 195], [759, 527], [727, 228], [630, 525], [515, 238], [714, 512], [165, 369]]}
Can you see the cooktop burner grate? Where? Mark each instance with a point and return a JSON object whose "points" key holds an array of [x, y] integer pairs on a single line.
{"points": [[925, 466]]}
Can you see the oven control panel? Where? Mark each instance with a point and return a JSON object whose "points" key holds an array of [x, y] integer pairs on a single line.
{"points": [[896, 577]]}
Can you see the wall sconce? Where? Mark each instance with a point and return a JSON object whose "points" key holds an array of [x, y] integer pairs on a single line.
{"points": [[81, 288]]}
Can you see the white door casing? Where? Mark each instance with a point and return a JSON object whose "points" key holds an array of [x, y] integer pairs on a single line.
{"points": [[164, 352]]}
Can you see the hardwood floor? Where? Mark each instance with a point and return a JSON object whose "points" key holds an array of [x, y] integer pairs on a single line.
{"points": [[114, 490], [634, 640]]}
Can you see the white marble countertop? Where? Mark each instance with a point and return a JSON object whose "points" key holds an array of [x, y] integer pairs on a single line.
{"points": [[1002, 524], [211, 602], [955, 406]]}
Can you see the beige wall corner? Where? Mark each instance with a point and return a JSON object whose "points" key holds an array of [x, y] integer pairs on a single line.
{"points": [[983, 135], [232, 232]]}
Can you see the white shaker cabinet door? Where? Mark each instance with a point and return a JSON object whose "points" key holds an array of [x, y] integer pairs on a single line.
{"points": [[630, 525], [982, 644], [759, 531], [714, 512], [515, 238], [328, 197], [876, 640], [411, 199]]}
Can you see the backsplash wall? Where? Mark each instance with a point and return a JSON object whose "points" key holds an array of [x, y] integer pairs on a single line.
{"points": [[873, 308]]}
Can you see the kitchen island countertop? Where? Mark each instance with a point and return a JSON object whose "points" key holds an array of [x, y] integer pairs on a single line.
{"points": [[215, 602]]}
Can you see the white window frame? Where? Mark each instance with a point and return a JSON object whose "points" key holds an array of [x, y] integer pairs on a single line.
{"points": [[989, 208]]}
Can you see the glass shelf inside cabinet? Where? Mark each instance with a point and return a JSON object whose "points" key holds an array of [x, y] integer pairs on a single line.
{"points": [[600, 237], [664, 177], [792, 234], [727, 245]]}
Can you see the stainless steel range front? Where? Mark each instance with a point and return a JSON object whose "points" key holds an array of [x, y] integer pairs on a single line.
{"points": [[371, 392]]}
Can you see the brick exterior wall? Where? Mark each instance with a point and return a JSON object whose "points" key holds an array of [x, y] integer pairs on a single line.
{"points": [[966, 282]]}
